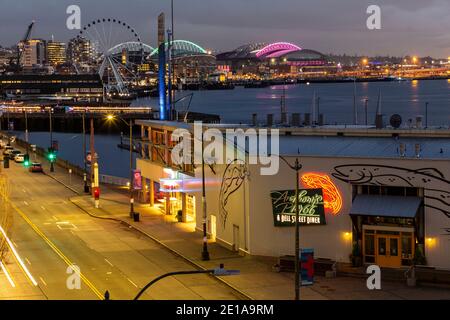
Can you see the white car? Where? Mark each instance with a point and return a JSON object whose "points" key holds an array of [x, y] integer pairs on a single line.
{"points": [[19, 158]]}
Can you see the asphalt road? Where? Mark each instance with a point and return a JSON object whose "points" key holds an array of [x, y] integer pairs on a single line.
{"points": [[50, 234]]}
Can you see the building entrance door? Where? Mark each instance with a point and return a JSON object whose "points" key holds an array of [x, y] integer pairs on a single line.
{"points": [[387, 252]]}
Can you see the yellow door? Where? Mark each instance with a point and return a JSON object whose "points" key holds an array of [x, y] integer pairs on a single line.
{"points": [[388, 251]]}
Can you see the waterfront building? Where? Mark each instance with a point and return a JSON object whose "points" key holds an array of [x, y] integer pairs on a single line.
{"points": [[383, 191], [33, 53], [56, 53], [87, 88]]}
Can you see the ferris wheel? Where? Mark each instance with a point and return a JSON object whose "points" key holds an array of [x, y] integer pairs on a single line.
{"points": [[118, 52]]}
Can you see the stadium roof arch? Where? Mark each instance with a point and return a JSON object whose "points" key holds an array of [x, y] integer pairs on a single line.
{"points": [[182, 48]]}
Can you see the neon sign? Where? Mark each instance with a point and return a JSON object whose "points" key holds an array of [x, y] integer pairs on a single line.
{"points": [[331, 194]]}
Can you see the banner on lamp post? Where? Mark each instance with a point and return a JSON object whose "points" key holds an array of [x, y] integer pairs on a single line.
{"points": [[137, 180]]}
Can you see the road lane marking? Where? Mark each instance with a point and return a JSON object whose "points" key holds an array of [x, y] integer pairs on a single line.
{"points": [[24, 191], [109, 262], [55, 249], [25, 203], [134, 284], [16, 255], [28, 261], [55, 218], [5, 271], [15, 244], [42, 280], [42, 207]]}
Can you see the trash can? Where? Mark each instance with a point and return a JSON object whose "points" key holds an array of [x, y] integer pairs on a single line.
{"points": [[136, 216], [180, 216]]}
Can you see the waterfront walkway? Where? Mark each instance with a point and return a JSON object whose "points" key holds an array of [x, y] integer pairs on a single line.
{"points": [[257, 279]]}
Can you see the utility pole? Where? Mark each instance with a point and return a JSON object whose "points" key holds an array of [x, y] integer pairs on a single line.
{"points": [[296, 167], [205, 253], [26, 130], [131, 171], [366, 110]]}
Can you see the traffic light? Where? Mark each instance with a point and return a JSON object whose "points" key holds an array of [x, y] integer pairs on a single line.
{"points": [[51, 154], [26, 160]]}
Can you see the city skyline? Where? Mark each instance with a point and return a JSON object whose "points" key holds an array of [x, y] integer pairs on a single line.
{"points": [[408, 27]]}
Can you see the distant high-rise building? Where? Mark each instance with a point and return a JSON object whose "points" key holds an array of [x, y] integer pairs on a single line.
{"points": [[80, 51], [56, 53], [33, 52]]}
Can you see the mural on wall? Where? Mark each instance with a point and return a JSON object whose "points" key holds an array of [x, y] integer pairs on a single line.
{"points": [[331, 194], [437, 195], [232, 180]]}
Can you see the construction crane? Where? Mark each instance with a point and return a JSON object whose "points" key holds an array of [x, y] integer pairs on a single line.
{"points": [[15, 65]]}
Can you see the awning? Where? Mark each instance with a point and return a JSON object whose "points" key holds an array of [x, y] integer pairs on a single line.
{"points": [[385, 206]]}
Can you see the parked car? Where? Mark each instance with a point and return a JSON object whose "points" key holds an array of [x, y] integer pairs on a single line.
{"points": [[8, 150], [19, 158], [36, 167], [13, 154]]}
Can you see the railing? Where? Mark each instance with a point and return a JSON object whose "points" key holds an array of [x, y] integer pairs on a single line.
{"points": [[116, 181]]}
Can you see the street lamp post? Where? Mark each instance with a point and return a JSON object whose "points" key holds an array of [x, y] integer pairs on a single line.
{"points": [[52, 168], [130, 125], [296, 167], [205, 253], [426, 115], [86, 187], [26, 131]]}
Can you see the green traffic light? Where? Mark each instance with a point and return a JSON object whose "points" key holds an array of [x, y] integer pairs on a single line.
{"points": [[26, 163]]}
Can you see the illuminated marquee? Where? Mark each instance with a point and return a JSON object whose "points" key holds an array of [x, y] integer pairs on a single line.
{"points": [[331, 194], [310, 206]]}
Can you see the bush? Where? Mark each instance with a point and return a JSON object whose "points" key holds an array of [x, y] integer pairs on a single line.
{"points": [[419, 257]]}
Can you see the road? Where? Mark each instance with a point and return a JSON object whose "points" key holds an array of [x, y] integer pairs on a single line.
{"points": [[50, 234]]}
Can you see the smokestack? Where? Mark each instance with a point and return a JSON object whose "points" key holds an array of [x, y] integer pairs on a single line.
{"points": [[270, 119], [284, 118], [379, 116], [402, 149], [419, 122], [255, 119], [295, 121], [307, 119], [417, 150], [321, 119]]}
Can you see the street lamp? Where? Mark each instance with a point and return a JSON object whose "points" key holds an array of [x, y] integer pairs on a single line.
{"points": [[296, 167], [218, 272], [111, 118]]}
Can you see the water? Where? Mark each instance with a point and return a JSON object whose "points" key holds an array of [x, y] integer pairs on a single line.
{"points": [[406, 98], [234, 106], [112, 160]]}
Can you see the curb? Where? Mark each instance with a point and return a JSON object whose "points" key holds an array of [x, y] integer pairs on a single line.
{"points": [[175, 252]]}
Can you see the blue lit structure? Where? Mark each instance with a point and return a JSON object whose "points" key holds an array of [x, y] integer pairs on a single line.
{"points": [[162, 82]]}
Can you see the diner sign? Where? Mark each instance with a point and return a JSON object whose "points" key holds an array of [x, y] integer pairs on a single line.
{"points": [[311, 207]]}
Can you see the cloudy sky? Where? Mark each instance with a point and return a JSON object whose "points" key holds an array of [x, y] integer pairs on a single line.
{"points": [[408, 26]]}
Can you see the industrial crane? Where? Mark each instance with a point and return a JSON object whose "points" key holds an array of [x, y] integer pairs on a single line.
{"points": [[15, 65]]}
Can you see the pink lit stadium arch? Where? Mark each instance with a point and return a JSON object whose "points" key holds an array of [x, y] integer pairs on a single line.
{"points": [[277, 49]]}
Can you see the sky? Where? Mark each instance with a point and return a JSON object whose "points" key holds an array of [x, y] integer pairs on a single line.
{"points": [[408, 27]]}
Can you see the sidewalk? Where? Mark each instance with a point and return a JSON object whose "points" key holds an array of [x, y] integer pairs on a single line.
{"points": [[257, 280]]}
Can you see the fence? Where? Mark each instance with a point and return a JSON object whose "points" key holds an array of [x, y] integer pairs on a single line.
{"points": [[76, 170]]}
